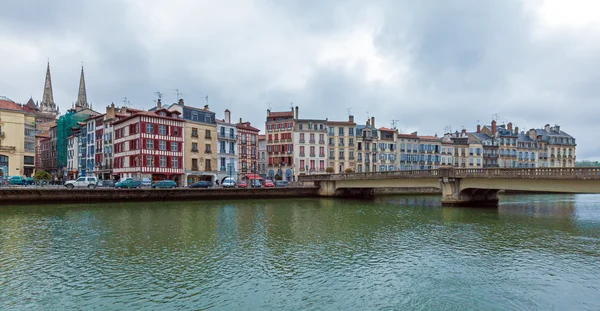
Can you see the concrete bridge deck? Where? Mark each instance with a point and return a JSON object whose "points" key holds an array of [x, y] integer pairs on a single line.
{"points": [[462, 186]]}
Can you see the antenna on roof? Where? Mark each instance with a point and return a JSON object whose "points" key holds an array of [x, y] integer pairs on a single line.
{"points": [[349, 111], [269, 106], [178, 94], [477, 122], [495, 117], [206, 98], [126, 102], [368, 116], [159, 94], [394, 122], [447, 129]]}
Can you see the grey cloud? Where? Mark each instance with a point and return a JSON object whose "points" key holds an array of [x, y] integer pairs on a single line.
{"points": [[466, 60]]}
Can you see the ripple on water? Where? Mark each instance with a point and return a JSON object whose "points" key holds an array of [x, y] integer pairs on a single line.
{"points": [[306, 254]]}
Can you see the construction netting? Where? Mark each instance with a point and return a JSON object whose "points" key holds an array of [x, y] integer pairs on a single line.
{"points": [[64, 128]]}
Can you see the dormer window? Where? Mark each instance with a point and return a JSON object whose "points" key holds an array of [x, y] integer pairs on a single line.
{"points": [[162, 114]]}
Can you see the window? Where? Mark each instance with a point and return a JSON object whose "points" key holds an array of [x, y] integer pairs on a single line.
{"points": [[149, 144], [162, 145], [351, 131], [175, 131], [300, 126], [175, 162], [162, 130], [29, 146], [207, 166], [302, 168], [162, 161], [149, 128], [207, 134], [331, 131], [194, 164], [341, 131], [341, 142], [174, 146], [149, 161], [194, 132], [351, 142], [29, 160], [301, 151], [207, 148]]}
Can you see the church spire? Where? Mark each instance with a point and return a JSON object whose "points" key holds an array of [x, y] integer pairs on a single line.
{"points": [[47, 103], [82, 95]]}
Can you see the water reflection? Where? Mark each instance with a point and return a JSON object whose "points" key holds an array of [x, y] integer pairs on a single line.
{"points": [[533, 252]]}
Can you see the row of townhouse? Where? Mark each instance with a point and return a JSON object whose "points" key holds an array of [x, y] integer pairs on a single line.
{"points": [[295, 146], [178, 142]]}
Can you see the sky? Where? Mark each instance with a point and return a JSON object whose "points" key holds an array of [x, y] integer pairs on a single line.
{"points": [[428, 64]]}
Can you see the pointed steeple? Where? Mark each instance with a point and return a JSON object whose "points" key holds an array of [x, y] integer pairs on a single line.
{"points": [[47, 103], [82, 95]]}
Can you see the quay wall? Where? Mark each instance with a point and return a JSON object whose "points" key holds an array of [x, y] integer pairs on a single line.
{"points": [[16, 196]]}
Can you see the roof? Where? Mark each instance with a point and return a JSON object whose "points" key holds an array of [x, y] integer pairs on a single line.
{"points": [[387, 129], [246, 126], [145, 113], [277, 114], [408, 136], [429, 137], [8, 104], [524, 138], [340, 123], [31, 105], [481, 136], [311, 120], [262, 137], [552, 133]]}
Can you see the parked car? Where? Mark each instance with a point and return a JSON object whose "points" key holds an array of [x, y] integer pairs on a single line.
{"points": [[128, 183], [242, 184], [165, 184], [82, 182], [228, 183], [201, 184], [146, 182], [268, 184], [15, 180], [256, 183], [281, 183], [106, 183], [29, 181]]}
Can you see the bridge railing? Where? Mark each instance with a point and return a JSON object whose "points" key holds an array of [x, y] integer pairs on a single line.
{"points": [[529, 173]]}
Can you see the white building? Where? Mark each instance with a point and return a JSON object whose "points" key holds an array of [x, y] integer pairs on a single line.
{"points": [[73, 154], [310, 147], [227, 158], [262, 155]]}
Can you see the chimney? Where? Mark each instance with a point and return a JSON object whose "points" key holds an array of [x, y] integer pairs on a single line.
{"points": [[373, 121], [464, 132], [158, 104], [368, 122], [494, 127], [227, 116], [478, 128], [517, 130], [268, 112], [180, 101], [351, 118], [510, 126], [547, 128], [413, 133], [557, 128], [240, 120], [296, 113], [206, 107]]}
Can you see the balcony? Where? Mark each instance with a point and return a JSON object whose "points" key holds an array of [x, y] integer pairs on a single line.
{"points": [[321, 155], [227, 136], [194, 149], [222, 151], [351, 158], [194, 135], [222, 169], [207, 151], [331, 158], [341, 158], [322, 142], [312, 155], [208, 169], [302, 141], [302, 154], [312, 141]]}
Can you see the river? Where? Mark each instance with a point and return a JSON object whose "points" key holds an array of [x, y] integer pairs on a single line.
{"points": [[534, 252]]}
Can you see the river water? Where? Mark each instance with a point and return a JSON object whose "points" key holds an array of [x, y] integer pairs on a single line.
{"points": [[534, 252]]}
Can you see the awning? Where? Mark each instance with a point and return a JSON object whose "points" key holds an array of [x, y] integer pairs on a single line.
{"points": [[253, 176]]}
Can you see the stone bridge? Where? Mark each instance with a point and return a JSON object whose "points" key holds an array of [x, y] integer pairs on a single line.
{"points": [[462, 186]]}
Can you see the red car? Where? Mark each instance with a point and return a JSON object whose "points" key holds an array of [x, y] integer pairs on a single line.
{"points": [[242, 184], [268, 184]]}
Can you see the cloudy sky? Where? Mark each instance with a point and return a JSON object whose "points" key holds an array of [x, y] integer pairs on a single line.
{"points": [[428, 64]]}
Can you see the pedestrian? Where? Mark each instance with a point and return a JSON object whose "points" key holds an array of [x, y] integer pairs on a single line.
{"points": [[217, 181]]}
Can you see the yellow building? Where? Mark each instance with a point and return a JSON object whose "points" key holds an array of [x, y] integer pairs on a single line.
{"points": [[200, 147], [17, 139], [342, 145]]}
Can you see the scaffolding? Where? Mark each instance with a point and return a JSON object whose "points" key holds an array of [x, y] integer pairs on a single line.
{"points": [[64, 129]]}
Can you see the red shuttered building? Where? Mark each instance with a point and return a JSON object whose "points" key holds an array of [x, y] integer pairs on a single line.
{"points": [[149, 145]]}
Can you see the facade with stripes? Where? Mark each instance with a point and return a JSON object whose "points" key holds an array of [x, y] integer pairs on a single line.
{"points": [[149, 145]]}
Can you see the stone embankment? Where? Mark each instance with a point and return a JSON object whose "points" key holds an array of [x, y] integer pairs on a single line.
{"points": [[67, 196]]}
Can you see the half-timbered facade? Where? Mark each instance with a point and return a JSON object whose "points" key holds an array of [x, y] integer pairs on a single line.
{"points": [[248, 150], [149, 145]]}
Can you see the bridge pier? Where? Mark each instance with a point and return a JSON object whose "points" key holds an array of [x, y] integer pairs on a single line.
{"points": [[454, 195], [328, 189]]}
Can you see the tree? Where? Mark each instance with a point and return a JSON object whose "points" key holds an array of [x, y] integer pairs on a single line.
{"points": [[329, 170], [41, 175], [349, 170]]}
